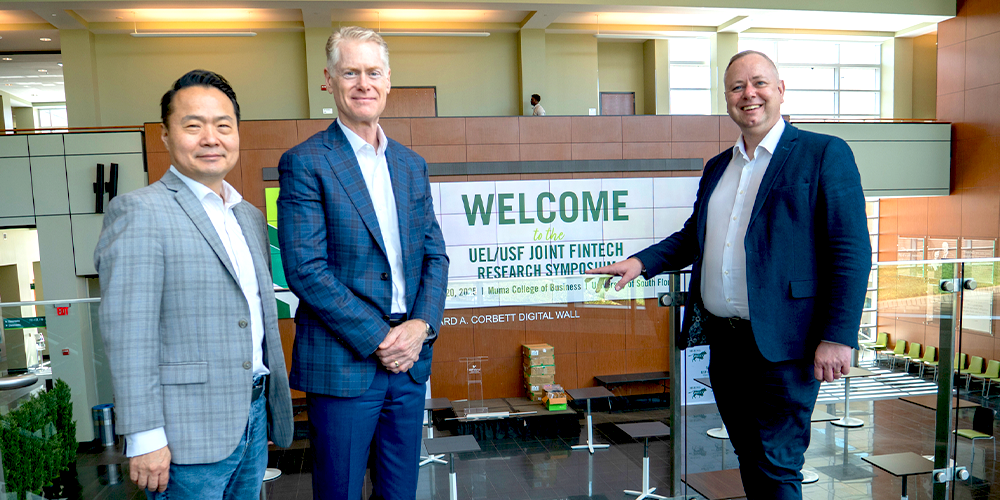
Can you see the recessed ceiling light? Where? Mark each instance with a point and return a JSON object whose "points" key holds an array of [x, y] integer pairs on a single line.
{"points": [[43, 71], [59, 64], [53, 15], [8, 59], [44, 39]]}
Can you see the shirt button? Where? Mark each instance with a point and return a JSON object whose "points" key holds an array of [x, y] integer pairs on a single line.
{"points": [[734, 217], [741, 191], [726, 273], [729, 300], [728, 244], [384, 276], [243, 323], [247, 365]]}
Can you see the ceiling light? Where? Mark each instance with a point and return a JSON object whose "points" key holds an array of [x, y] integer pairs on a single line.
{"points": [[43, 71], [434, 33], [59, 64], [44, 39], [192, 34], [8, 59]]}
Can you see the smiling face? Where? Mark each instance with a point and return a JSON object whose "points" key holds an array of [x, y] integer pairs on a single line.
{"points": [[359, 83], [201, 135], [754, 95]]}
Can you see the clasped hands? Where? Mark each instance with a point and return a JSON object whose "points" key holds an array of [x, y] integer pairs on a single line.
{"points": [[401, 347]]}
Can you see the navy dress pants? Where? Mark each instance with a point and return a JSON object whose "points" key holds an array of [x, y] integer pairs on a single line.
{"points": [[766, 408]]}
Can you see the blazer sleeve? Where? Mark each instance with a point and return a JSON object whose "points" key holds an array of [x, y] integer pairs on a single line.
{"points": [[302, 233], [429, 303], [844, 262], [682, 248], [129, 261]]}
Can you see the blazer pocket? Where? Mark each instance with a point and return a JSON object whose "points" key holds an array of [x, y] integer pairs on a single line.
{"points": [[184, 373], [802, 289]]}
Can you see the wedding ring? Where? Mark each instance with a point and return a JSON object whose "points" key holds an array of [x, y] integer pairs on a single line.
{"points": [[397, 363]]}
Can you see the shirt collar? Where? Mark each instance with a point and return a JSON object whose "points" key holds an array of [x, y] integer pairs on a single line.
{"points": [[230, 194], [357, 142], [769, 143]]}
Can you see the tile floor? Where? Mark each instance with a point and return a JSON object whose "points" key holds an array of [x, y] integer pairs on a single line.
{"points": [[532, 468]]}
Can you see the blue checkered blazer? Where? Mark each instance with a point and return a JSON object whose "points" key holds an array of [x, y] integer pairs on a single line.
{"points": [[334, 260]]}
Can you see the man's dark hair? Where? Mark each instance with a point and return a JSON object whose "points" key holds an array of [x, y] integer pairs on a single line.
{"points": [[536, 97], [197, 78]]}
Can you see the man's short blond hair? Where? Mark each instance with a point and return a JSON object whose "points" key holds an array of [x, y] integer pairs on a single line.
{"points": [[354, 34]]}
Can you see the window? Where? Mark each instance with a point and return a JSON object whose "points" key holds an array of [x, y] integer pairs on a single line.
{"points": [[826, 79], [51, 117], [690, 76]]}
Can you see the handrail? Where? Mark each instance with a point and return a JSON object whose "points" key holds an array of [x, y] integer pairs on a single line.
{"points": [[29, 303], [938, 261], [61, 130]]}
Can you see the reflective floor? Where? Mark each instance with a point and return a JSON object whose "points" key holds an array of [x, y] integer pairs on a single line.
{"points": [[532, 468]]}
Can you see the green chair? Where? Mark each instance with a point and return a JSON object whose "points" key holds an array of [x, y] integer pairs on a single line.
{"points": [[992, 372], [930, 356], [975, 367], [982, 428], [881, 343], [898, 350], [912, 354], [958, 364]]}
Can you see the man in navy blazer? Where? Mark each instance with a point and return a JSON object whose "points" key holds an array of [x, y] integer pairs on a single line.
{"points": [[778, 241], [363, 252]]}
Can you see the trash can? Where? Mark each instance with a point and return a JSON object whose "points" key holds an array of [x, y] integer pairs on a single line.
{"points": [[104, 424]]}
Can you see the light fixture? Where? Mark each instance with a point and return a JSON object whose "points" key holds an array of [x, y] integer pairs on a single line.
{"points": [[8, 59], [186, 34], [44, 39], [434, 33], [59, 64], [43, 71], [194, 34]]}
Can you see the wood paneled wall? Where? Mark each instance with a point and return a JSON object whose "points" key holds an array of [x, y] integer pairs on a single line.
{"points": [[968, 95], [627, 338]]}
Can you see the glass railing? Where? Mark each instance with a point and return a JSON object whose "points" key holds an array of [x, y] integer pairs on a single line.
{"points": [[896, 405], [898, 424]]}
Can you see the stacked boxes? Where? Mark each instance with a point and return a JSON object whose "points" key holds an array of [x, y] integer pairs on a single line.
{"points": [[539, 365]]}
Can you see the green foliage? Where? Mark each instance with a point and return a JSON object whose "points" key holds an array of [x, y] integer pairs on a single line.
{"points": [[38, 440]]}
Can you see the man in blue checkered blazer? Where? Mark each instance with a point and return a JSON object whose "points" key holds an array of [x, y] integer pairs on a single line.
{"points": [[362, 250]]}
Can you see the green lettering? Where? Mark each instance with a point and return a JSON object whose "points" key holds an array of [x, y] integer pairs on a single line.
{"points": [[616, 204], [524, 216], [477, 207], [575, 212], [505, 208], [541, 215], [595, 210]]}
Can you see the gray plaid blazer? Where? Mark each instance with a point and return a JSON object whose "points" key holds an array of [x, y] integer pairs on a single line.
{"points": [[175, 323]]}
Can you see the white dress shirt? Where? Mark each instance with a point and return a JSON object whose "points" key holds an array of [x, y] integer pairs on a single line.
{"points": [[375, 170], [220, 212], [538, 110], [724, 267]]}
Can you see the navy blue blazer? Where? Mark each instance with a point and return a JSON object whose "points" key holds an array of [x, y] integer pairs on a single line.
{"points": [[335, 261], [807, 247]]}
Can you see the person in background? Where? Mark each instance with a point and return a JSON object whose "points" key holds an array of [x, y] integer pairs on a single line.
{"points": [[537, 109]]}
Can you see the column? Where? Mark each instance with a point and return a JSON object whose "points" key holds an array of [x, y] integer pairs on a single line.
{"points": [[83, 101], [531, 56], [656, 77]]}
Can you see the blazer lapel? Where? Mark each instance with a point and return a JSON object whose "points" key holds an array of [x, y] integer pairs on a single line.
{"points": [[778, 160], [400, 176], [196, 212], [345, 166], [713, 181]]}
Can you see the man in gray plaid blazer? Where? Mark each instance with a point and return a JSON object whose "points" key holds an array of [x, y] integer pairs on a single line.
{"points": [[188, 313]]}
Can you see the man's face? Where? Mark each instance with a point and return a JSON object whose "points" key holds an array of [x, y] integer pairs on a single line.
{"points": [[359, 83], [534, 101], [754, 95], [201, 134]]}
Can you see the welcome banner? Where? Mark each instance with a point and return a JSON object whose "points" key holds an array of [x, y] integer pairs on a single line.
{"points": [[529, 242]]}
